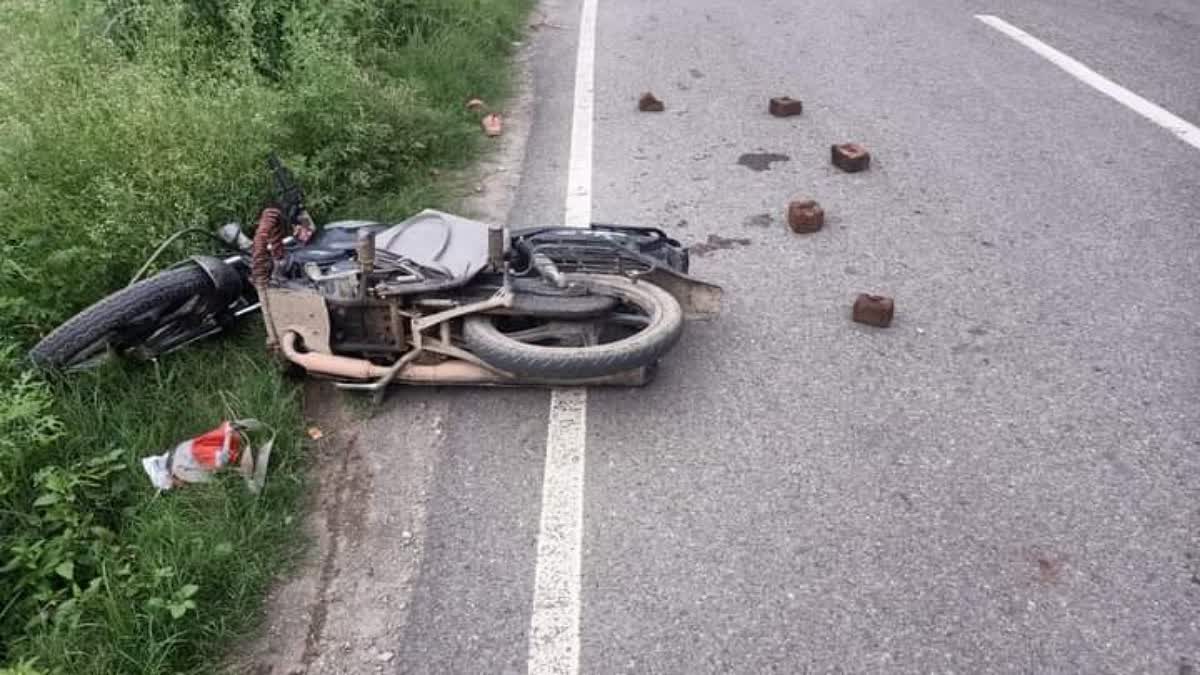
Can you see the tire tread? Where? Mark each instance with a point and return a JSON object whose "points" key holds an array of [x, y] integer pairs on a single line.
{"points": [[85, 328], [526, 360]]}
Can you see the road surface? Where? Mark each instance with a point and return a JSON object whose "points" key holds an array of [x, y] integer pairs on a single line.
{"points": [[1006, 480]]}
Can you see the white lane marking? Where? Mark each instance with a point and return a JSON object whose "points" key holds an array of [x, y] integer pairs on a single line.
{"points": [[579, 167], [554, 628], [554, 623], [1185, 130]]}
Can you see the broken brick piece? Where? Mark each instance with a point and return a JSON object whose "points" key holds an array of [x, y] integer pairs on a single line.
{"points": [[493, 124], [851, 157], [874, 310], [805, 217], [785, 106], [649, 103]]}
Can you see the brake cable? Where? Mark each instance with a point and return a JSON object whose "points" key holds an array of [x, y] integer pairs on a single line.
{"points": [[167, 242]]}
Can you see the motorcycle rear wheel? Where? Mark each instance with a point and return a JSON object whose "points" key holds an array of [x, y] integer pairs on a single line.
{"points": [[86, 338], [659, 327]]}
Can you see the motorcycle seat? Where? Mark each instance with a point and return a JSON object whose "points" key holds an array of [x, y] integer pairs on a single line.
{"points": [[452, 249]]}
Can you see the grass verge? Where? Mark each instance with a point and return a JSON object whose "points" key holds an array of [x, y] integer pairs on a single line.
{"points": [[120, 122]]}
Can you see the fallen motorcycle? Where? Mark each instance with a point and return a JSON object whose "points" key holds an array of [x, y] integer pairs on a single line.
{"points": [[435, 299]]}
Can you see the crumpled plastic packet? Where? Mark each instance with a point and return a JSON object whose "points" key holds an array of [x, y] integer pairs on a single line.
{"points": [[197, 459]]}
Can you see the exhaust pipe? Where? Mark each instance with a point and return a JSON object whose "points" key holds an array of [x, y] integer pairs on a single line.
{"points": [[329, 364], [448, 372]]}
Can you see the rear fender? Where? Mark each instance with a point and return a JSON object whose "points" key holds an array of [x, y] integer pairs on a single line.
{"points": [[700, 300]]}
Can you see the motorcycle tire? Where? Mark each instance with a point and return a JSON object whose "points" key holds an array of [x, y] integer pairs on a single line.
{"points": [[665, 324], [80, 335]]}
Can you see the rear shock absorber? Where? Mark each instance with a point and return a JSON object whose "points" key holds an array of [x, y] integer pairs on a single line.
{"points": [[364, 249]]}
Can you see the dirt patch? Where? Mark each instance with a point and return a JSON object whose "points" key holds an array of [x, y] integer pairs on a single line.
{"points": [[494, 180], [346, 608]]}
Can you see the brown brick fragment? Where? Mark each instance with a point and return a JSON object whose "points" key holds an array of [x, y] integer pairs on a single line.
{"points": [[805, 216], [874, 310], [785, 106], [851, 157]]}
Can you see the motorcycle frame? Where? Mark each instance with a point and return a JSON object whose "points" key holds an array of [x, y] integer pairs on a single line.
{"points": [[293, 315]]}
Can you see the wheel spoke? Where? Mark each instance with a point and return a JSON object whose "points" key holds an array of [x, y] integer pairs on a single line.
{"points": [[548, 331], [590, 334], [631, 320], [577, 333]]}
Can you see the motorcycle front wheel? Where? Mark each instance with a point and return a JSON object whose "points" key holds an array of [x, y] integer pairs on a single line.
{"points": [[121, 320], [647, 323]]}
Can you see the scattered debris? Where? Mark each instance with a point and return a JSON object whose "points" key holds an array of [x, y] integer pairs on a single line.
{"points": [[197, 459], [874, 310], [785, 106], [805, 217], [492, 124], [476, 105], [650, 103], [1049, 568], [717, 242], [315, 433], [761, 161], [851, 157]]}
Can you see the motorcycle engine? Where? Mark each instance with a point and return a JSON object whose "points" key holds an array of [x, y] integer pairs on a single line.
{"points": [[339, 280]]}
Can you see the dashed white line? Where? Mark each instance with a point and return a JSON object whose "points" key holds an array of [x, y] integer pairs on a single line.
{"points": [[1185, 130], [554, 623]]}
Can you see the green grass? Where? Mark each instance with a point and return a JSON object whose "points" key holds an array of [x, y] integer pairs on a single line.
{"points": [[122, 121], [216, 537]]}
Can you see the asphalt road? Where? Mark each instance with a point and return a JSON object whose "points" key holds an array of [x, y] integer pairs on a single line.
{"points": [[1006, 480]]}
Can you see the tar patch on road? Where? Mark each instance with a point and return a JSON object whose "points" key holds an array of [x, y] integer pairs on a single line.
{"points": [[759, 220], [761, 161], [715, 243]]}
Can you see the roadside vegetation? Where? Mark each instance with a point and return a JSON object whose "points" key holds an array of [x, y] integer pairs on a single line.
{"points": [[122, 121]]}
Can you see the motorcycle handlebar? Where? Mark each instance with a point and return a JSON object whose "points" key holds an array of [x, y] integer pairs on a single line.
{"points": [[287, 191]]}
